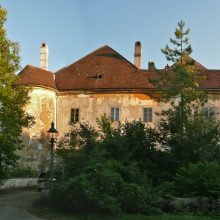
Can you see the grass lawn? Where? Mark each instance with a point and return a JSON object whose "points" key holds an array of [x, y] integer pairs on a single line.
{"points": [[50, 214]]}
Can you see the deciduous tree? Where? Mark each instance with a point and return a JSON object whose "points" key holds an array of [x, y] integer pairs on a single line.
{"points": [[12, 100]]}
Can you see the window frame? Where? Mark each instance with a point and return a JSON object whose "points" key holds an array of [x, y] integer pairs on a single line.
{"points": [[209, 111], [146, 117], [115, 114], [74, 115]]}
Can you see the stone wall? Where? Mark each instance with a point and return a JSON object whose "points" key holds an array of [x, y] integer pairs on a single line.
{"points": [[19, 183]]}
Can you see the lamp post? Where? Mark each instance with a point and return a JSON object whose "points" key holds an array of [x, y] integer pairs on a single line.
{"points": [[52, 132]]}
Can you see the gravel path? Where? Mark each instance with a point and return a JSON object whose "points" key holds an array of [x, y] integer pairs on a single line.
{"points": [[14, 204]]}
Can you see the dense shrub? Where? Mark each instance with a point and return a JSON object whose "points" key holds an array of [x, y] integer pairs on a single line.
{"points": [[103, 186], [120, 169], [22, 171], [201, 179]]}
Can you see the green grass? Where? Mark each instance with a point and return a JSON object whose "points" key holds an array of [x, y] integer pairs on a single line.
{"points": [[47, 213]]}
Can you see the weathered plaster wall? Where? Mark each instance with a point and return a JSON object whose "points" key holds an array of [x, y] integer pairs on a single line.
{"points": [[43, 107], [214, 102], [92, 106], [46, 107]]}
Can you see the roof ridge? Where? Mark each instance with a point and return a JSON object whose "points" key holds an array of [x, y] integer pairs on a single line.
{"points": [[31, 66], [93, 52], [125, 58], [82, 58]]}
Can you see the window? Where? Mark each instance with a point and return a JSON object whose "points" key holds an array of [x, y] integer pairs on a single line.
{"points": [[209, 111], [74, 115], [115, 114], [147, 114]]}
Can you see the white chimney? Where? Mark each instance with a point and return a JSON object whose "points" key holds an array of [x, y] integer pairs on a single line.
{"points": [[44, 52], [137, 54]]}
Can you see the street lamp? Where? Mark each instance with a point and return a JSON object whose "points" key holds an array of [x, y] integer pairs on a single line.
{"points": [[52, 132]]}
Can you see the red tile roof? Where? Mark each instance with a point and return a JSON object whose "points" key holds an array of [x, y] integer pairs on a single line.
{"points": [[35, 76], [212, 80], [103, 69]]}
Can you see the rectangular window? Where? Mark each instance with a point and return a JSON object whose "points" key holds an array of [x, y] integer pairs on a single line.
{"points": [[209, 111], [115, 114], [147, 114], [74, 115]]}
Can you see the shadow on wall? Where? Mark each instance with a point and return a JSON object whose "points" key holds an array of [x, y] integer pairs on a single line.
{"points": [[36, 151]]}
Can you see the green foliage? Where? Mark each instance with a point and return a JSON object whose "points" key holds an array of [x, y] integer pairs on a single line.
{"points": [[22, 171], [12, 100], [108, 170], [117, 168], [92, 190], [190, 138], [100, 187], [180, 80], [129, 142], [199, 180], [184, 130], [181, 39]]}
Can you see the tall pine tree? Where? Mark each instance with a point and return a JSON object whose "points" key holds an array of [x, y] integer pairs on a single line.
{"points": [[185, 131], [181, 39], [12, 100]]}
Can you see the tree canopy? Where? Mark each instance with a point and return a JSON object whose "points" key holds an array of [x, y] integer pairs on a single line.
{"points": [[12, 100], [185, 130]]}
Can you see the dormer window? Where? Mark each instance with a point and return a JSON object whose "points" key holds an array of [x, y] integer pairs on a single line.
{"points": [[99, 76]]}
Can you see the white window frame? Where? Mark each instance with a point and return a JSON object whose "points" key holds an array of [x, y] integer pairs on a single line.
{"points": [[115, 114]]}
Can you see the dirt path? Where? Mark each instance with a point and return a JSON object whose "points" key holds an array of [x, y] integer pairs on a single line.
{"points": [[14, 204]]}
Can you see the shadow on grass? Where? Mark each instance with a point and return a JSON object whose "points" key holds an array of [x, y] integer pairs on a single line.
{"points": [[47, 213]]}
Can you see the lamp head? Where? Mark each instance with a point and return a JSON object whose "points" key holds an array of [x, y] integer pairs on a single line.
{"points": [[52, 131]]}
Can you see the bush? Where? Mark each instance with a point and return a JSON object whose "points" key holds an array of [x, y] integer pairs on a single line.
{"points": [[198, 180], [95, 189], [22, 171], [101, 188], [135, 198]]}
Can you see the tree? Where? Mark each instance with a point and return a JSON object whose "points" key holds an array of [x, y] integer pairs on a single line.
{"points": [[178, 53], [185, 131], [12, 100], [201, 179], [110, 169], [180, 80]]}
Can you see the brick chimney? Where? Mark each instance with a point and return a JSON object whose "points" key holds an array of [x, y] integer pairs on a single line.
{"points": [[44, 52], [137, 54]]}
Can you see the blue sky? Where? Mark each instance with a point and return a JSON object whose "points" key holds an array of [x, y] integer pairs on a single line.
{"points": [[74, 28]]}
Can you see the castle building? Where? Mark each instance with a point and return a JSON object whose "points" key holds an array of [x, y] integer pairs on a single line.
{"points": [[102, 82]]}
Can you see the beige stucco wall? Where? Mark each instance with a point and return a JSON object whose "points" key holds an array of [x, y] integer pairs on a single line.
{"points": [[46, 106], [214, 102], [43, 107], [92, 106]]}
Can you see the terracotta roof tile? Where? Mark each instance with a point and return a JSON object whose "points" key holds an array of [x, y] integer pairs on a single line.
{"points": [[104, 69], [212, 80], [31, 75]]}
